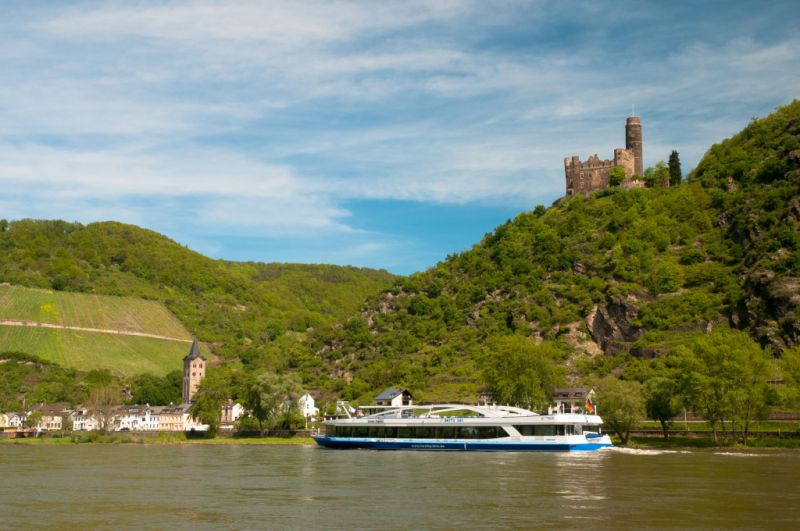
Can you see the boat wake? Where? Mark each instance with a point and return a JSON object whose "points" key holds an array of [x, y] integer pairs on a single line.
{"points": [[641, 451], [740, 454]]}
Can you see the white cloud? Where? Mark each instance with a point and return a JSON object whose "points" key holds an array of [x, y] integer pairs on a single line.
{"points": [[271, 116]]}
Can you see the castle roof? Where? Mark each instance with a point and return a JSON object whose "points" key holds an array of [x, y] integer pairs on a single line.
{"points": [[194, 352]]}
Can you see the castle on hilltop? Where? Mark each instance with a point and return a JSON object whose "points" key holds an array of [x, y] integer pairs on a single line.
{"points": [[592, 175]]}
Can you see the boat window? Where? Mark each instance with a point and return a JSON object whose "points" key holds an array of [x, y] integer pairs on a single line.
{"points": [[424, 432], [578, 429], [541, 430], [405, 432]]}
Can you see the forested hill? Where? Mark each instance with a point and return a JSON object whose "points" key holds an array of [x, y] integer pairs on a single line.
{"points": [[599, 283], [258, 313]]}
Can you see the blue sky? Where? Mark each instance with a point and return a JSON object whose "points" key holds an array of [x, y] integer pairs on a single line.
{"points": [[377, 134]]}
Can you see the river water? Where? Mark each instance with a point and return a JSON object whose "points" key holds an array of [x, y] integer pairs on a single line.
{"points": [[292, 487]]}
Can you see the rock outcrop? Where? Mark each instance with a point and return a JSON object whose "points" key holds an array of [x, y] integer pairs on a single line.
{"points": [[611, 324]]}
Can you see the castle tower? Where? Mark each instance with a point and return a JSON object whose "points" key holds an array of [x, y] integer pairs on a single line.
{"points": [[194, 369], [633, 141]]}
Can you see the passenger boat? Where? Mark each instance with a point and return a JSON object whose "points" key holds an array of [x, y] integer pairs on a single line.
{"points": [[462, 427]]}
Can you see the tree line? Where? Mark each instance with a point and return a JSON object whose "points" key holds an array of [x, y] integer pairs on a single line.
{"points": [[724, 376]]}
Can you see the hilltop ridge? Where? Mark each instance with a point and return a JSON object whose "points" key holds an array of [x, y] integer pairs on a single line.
{"points": [[257, 313], [601, 280]]}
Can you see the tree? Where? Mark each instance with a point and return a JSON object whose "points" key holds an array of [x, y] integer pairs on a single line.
{"points": [[101, 404], [616, 176], [620, 404], [790, 367], [657, 176], [675, 174], [520, 372], [723, 375], [33, 419], [155, 390], [267, 395], [662, 401], [207, 403]]}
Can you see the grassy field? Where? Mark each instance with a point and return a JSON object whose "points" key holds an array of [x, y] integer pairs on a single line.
{"points": [[85, 350], [123, 355], [89, 311]]}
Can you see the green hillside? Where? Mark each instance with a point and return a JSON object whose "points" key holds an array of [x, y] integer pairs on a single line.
{"points": [[259, 314], [598, 284]]}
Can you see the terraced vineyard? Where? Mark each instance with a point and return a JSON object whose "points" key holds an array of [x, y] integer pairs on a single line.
{"points": [[99, 331], [90, 311]]}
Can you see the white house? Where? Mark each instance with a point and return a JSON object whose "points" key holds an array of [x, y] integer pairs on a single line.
{"points": [[167, 418], [16, 420], [394, 397], [52, 417], [307, 408], [133, 418], [83, 420], [231, 412]]}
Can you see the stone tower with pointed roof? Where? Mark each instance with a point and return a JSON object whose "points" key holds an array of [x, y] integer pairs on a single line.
{"points": [[194, 369]]}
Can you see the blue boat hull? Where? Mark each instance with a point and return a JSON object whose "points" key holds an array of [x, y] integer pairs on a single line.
{"points": [[483, 446]]}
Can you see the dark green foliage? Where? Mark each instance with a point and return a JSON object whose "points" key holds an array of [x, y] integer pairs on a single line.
{"points": [[27, 380], [662, 401], [675, 173], [157, 391], [658, 175], [723, 375], [521, 373], [620, 403], [754, 180], [616, 176], [271, 399]]}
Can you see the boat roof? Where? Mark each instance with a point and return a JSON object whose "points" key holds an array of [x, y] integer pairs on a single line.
{"points": [[438, 409]]}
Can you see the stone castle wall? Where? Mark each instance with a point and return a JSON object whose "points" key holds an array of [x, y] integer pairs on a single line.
{"points": [[592, 175]]}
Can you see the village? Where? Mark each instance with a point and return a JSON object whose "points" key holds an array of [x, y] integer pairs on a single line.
{"points": [[110, 417]]}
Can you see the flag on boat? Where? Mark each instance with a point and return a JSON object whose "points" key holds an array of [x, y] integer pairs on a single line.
{"points": [[589, 407]]}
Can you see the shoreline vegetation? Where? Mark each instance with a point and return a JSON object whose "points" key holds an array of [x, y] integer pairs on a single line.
{"points": [[696, 440], [161, 438]]}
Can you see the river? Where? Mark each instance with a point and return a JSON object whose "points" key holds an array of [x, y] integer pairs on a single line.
{"points": [[292, 487]]}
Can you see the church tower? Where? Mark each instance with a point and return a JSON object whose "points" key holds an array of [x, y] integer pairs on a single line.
{"points": [[633, 142], [194, 369]]}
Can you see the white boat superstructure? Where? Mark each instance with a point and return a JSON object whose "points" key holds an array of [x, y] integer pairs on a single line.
{"points": [[462, 427]]}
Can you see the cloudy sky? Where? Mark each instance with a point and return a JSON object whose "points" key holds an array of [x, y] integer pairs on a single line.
{"points": [[380, 134]]}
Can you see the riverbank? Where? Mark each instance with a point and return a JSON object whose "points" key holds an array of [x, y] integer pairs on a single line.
{"points": [[164, 438]]}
